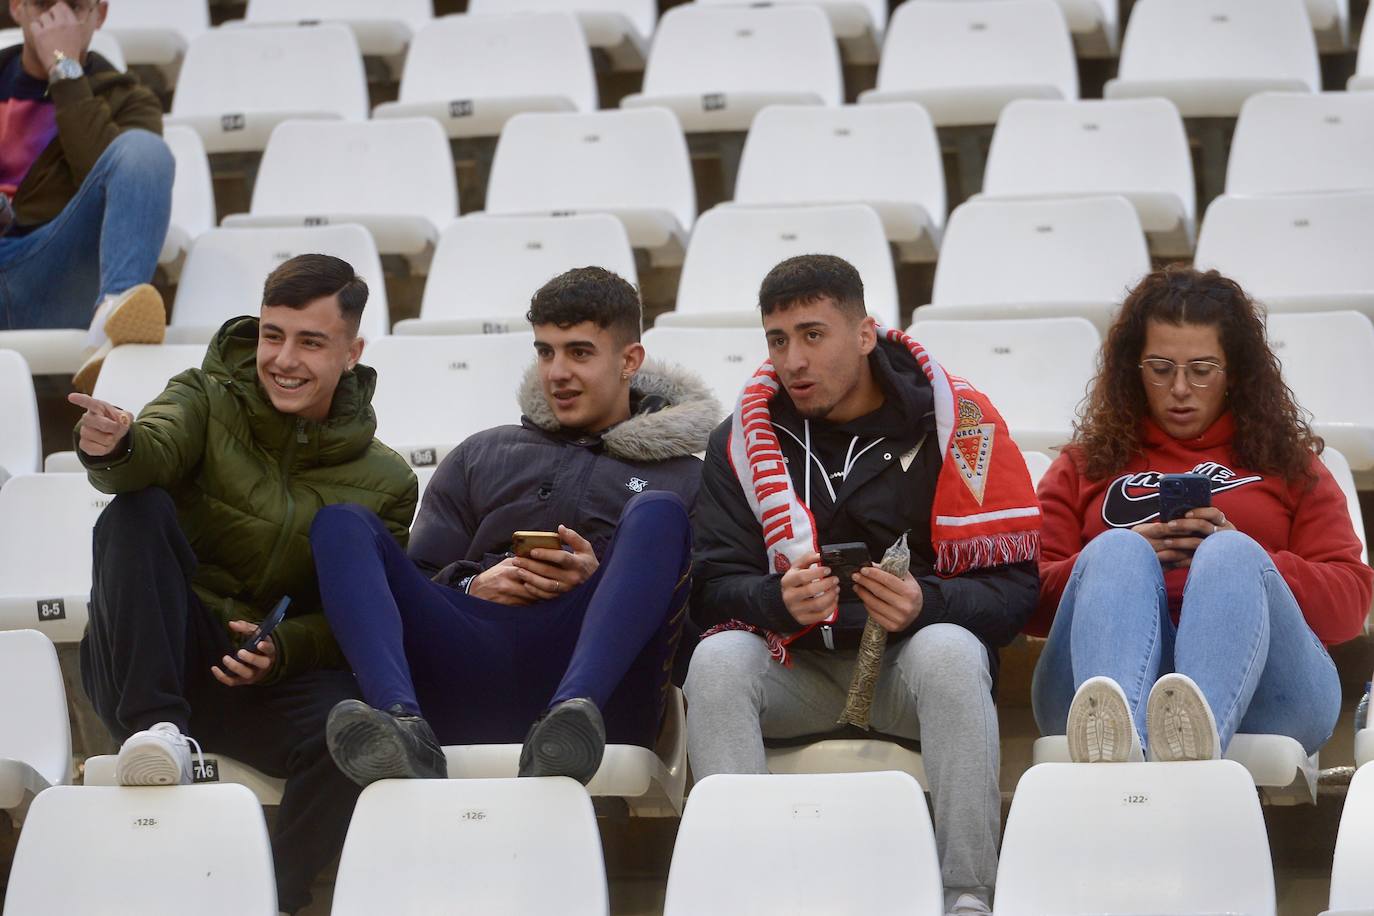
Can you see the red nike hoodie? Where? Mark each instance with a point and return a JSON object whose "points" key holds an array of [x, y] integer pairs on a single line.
{"points": [[1305, 528]]}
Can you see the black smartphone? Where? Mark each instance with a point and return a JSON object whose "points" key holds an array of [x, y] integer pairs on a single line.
{"points": [[269, 623], [844, 560], [1180, 492]]}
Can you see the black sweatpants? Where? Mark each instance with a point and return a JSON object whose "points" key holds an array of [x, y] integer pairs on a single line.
{"points": [[146, 659]]}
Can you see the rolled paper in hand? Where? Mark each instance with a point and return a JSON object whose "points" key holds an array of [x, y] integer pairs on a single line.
{"points": [[859, 703]]}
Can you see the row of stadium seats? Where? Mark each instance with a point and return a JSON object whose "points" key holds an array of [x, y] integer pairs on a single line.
{"points": [[1079, 838]]}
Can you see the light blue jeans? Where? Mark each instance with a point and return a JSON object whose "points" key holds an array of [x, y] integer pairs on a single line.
{"points": [[1241, 637], [104, 241]]}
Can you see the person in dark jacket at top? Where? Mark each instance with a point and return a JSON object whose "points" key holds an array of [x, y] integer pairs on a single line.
{"points": [[85, 185], [464, 642], [853, 433], [217, 482]]}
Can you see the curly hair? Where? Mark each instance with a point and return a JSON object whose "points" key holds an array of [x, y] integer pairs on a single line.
{"points": [[1272, 432], [589, 294]]}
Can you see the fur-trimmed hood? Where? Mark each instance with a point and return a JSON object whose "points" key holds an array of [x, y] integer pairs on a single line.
{"points": [[657, 431]]}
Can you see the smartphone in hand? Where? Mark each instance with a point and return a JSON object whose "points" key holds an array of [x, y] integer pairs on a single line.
{"points": [[269, 623], [1179, 493], [522, 542], [844, 560]]}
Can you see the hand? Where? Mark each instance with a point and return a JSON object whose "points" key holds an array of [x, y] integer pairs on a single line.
{"points": [[59, 29], [103, 426], [246, 667], [894, 603], [1175, 541], [809, 592], [503, 584], [550, 573]]}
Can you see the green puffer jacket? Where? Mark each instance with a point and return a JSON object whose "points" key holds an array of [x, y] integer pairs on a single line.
{"points": [[248, 480]]}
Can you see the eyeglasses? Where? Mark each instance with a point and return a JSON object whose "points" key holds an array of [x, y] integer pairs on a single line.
{"points": [[77, 6], [1200, 373]]}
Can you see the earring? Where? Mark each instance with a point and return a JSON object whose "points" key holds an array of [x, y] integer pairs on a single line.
{"points": [[624, 376]]}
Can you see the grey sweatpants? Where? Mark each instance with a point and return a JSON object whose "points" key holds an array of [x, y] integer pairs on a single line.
{"points": [[934, 687]]}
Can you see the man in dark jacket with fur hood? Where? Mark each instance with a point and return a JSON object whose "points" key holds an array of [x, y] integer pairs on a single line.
{"points": [[470, 638]]}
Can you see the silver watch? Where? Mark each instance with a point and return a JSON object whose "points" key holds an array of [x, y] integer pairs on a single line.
{"points": [[64, 69]]}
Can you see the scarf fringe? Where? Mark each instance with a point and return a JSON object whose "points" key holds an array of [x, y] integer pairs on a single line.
{"points": [[954, 558], [777, 645]]}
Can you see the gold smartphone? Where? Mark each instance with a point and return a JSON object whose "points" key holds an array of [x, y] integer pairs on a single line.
{"points": [[522, 542]]}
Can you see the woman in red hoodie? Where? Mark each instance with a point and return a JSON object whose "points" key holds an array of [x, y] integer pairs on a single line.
{"points": [[1219, 616]]}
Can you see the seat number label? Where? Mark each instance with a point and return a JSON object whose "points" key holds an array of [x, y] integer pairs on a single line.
{"points": [[144, 822], [460, 108], [1133, 799], [232, 122], [474, 814], [206, 770], [50, 609]]}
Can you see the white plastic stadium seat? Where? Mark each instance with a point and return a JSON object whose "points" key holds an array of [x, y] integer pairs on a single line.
{"points": [[733, 248], [48, 352], [1339, 467], [1038, 259], [769, 845], [631, 164], [1094, 25], [1352, 880], [998, 357], [1331, 23], [102, 43], [394, 177], [1364, 746], [207, 768], [1136, 148], [486, 269], [724, 358], [858, 25], [35, 738], [21, 445], [846, 755], [1363, 80], [427, 389], [886, 156], [193, 195], [146, 851], [276, 76], [1294, 252], [716, 66], [471, 73], [1328, 357], [1037, 463], [382, 29], [479, 846], [225, 270], [965, 61], [156, 32], [1181, 838], [620, 28], [45, 553], [1209, 56], [1288, 142], [135, 374]]}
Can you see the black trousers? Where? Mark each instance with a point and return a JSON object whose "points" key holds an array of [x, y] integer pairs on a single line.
{"points": [[146, 659]]}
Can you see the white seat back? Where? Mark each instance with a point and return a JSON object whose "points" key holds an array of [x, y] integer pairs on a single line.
{"points": [[136, 374], [1135, 838], [640, 15], [1352, 880], [724, 358], [102, 43], [1339, 467], [499, 846], [433, 392], [1328, 361], [737, 829], [156, 32], [193, 192], [414, 13], [145, 851], [734, 248], [487, 268], [21, 445], [873, 11], [1037, 463], [1289, 142], [1363, 80], [35, 737], [226, 268], [997, 357]]}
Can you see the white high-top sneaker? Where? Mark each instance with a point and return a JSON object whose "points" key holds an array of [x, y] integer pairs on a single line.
{"points": [[157, 756], [1100, 727]]}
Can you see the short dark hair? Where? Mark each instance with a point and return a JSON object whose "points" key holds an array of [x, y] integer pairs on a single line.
{"points": [[589, 294], [306, 277], [810, 278]]}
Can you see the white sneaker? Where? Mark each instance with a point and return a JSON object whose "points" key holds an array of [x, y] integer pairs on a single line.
{"points": [[969, 905], [1179, 722], [1100, 728], [157, 756]]}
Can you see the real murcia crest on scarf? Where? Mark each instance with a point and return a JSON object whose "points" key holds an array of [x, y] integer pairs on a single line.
{"points": [[972, 447]]}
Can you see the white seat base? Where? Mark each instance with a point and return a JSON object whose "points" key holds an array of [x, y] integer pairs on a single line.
{"points": [[847, 755], [1364, 746], [19, 782], [962, 106], [241, 131], [100, 771], [1100, 314], [54, 352], [478, 117], [1202, 98], [491, 324], [412, 237], [717, 112]]}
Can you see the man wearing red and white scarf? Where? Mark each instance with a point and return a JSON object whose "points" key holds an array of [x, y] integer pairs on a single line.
{"points": [[853, 433]]}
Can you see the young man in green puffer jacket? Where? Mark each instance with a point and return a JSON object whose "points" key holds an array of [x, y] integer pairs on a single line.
{"points": [[217, 483]]}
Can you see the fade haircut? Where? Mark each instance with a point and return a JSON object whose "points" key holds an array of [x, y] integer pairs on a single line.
{"points": [[812, 278], [306, 277], [589, 294]]}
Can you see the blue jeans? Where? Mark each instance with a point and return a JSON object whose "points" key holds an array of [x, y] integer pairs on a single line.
{"points": [[481, 672], [1241, 637], [106, 240]]}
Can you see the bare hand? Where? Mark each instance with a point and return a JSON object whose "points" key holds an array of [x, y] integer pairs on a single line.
{"points": [[550, 573], [809, 591], [894, 603], [1175, 541], [503, 584], [102, 427], [59, 29], [246, 667]]}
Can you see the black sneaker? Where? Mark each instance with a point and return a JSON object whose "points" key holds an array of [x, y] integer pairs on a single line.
{"points": [[369, 744], [568, 740]]}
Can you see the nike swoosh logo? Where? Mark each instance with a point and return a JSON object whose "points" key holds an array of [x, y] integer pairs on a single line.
{"points": [[1122, 510]]}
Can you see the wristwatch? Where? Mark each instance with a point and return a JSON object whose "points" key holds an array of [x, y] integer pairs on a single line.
{"points": [[64, 69]]}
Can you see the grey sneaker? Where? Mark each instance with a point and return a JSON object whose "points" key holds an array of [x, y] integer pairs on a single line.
{"points": [[568, 740], [370, 744], [1179, 723], [1100, 729]]}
